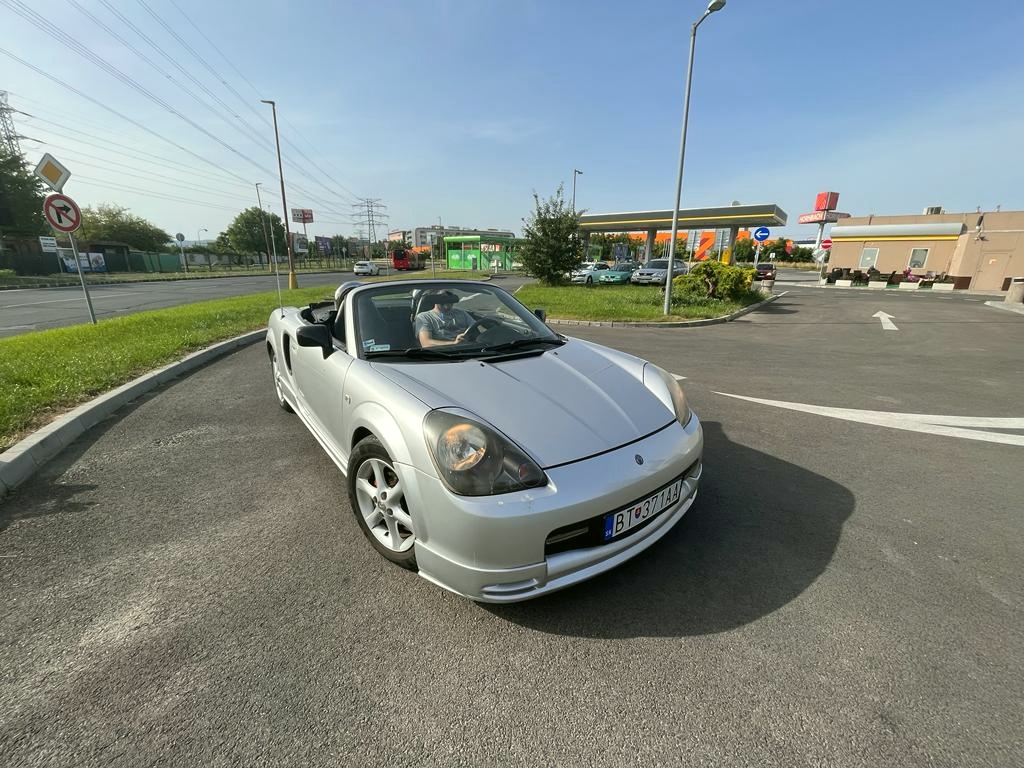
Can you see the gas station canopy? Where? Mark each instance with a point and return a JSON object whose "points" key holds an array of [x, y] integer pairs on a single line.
{"points": [[725, 217]]}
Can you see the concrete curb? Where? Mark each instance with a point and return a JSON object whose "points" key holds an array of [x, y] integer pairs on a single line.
{"points": [[20, 462], [681, 324], [1018, 308]]}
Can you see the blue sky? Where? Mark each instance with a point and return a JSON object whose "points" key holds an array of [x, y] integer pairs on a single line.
{"points": [[460, 109]]}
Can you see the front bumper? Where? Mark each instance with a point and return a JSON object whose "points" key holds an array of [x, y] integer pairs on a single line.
{"points": [[492, 549], [648, 279]]}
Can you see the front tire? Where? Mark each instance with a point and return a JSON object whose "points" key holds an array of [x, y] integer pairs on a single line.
{"points": [[377, 497]]}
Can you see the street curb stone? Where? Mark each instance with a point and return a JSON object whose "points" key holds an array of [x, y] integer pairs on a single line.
{"points": [[20, 462], [680, 324]]}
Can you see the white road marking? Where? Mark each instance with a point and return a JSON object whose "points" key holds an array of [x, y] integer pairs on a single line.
{"points": [[948, 426], [886, 318], [77, 298], [15, 327]]}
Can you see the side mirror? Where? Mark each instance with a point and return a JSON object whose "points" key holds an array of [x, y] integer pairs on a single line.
{"points": [[542, 314], [316, 335]]}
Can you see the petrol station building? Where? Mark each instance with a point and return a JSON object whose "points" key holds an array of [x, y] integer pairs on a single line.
{"points": [[725, 222]]}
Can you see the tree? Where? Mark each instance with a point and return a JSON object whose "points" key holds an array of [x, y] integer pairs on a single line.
{"points": [[552, 240], [21, 197], [246, 234], [743, 250], [114, 222]]}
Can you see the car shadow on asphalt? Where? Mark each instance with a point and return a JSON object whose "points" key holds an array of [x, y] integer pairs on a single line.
{"points": [[760, 533]]}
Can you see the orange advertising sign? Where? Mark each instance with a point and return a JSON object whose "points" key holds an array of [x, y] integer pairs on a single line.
{"points": [[707, 240]]}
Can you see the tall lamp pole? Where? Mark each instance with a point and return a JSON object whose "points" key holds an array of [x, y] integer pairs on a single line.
{"points": [[575, 172], [209, 256], [263, 221], [714, 5], [293, 281]]}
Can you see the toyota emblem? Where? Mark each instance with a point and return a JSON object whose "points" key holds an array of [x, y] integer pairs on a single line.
{"points": [[639, 459]]}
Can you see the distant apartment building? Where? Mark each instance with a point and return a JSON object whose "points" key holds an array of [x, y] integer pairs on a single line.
{"points": [[428, 236]]}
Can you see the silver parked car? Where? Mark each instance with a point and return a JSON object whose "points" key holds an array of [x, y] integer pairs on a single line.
{"points": [[655, 272], [465, 429]]}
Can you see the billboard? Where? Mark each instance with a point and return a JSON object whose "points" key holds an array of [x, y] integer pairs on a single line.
{"points": [[300, 243], [302, 215], [323, 245], [707, 241]]}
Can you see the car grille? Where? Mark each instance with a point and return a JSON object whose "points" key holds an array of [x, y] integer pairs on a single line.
{"points": [[590, 533]]}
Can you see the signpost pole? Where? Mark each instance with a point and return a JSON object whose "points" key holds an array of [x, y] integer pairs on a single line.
{"points": [[757, 254], [81, 276]]}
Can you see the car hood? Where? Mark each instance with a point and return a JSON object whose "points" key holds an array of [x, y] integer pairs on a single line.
{"points": [[558, 407]]}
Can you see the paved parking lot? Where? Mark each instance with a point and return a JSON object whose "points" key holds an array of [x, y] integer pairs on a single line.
{"points": [[187, 585]]}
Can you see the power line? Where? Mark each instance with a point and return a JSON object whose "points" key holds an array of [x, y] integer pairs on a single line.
{"points": [[68, 41], [256, 91], [120, 115], [248, 132]]}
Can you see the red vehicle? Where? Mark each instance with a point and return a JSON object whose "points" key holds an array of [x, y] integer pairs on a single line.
{"points": [[406, 259]]}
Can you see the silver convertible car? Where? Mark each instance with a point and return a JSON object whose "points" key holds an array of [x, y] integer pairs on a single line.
{"points": [[499, 459]]}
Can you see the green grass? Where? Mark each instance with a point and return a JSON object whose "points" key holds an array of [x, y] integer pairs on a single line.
{"points": [[626, 303], [47, 372]]}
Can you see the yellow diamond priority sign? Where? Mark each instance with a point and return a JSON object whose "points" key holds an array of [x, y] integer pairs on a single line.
{"points": [[53, 174]]}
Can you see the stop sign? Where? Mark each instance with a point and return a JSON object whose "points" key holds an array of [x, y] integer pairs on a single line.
{"points": [[826, 243]]}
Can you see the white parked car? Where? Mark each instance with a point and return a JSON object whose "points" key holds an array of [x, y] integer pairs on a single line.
{"points": [[478, 459], [365, 268]]}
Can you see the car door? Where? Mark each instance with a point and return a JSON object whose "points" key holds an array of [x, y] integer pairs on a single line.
{"points": [[322, 384]]}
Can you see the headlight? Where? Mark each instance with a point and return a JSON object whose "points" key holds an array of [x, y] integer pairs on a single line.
{"points": [[474, 459], [669, 391]]}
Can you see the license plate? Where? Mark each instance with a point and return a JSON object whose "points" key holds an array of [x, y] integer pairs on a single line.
{"points": [[619, 523]]}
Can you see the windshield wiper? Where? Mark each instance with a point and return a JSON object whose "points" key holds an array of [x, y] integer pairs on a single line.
{"points": [[429, 353], [520, 343]]}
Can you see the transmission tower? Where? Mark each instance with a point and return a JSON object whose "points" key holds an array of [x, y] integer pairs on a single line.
{"points": [[367, 214], [8, 136]]}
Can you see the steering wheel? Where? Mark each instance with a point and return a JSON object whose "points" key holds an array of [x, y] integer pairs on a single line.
{"points": [[484, 323]]}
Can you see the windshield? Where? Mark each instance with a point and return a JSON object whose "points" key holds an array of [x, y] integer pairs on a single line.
{"points": [[659, 264], [445, 320]]}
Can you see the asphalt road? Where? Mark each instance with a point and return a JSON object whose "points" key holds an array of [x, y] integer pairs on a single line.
{"points": [[34, 309], [187, 584]]}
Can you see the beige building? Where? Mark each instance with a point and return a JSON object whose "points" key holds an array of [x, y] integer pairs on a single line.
{"points": [[978, 250]]}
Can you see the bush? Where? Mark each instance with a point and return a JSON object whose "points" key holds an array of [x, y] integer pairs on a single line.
{"points": [[7, 273], [713, 280]]}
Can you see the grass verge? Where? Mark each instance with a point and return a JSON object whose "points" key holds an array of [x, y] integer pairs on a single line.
{"points": [[45, 373], [626, 303]]}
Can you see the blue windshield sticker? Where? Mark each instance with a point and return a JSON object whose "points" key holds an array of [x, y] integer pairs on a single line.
{"points": [[368, 343], [379, 348]]}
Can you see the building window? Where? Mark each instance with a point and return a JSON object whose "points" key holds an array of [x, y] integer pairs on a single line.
{"points": [[918, 256], [868, 257]]}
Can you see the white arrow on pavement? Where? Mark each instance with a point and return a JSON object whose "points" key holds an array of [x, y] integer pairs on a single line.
{"points": [[887, 323]]}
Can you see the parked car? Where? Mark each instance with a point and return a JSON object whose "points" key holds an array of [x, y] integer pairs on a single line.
{"points": [[365, 268], [656, 272], [618, 274], [479, 464], [588, 273], [764, 271]]}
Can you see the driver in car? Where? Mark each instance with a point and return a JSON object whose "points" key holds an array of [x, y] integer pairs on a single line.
{"points": [[443, 325]]}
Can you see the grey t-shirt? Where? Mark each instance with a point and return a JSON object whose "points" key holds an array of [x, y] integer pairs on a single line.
{"points": [[455, 321]]}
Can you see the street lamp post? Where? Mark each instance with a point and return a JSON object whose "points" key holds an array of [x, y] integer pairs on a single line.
{"points": [[575, 172], [293, 281], [209, 258], [714, 5], [263, 221]]}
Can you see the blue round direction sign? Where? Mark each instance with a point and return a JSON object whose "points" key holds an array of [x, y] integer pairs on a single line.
{"points": [[761, 234]]}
